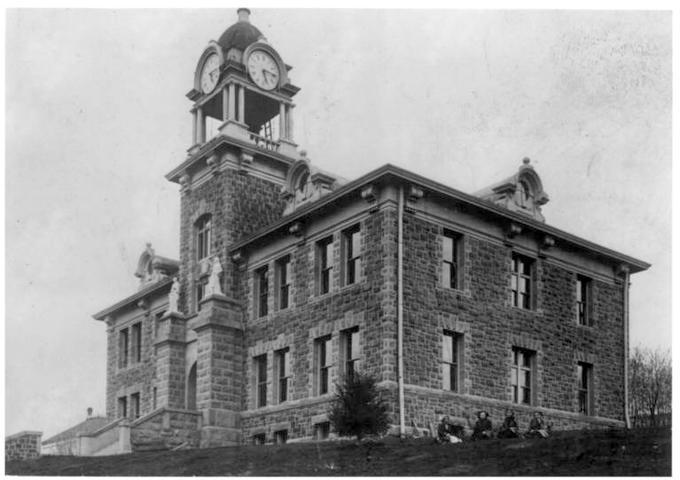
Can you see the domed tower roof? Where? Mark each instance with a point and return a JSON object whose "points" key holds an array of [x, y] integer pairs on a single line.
{"points": [[241, 34]]}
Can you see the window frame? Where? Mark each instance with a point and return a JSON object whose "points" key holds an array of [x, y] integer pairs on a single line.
{"points": [[136, 343], [454, 264], [281, 437], [260, 378], [516, 370], [199, 291], [517, 274], [322, 430], [122, 405], [454, 364], [135, 406], [324, 265], [283, 269], [282, 374], [584, 370], [350, 357], [584, 316], [322, 364], [351, 259], [261, 291], [203, 236], [123, 348]]}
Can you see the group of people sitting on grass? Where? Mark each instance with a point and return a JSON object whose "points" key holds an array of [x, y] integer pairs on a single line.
{"points": [[448, 432]]}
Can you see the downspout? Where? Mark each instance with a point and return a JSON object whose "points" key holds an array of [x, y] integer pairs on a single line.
{"points": [[626, 285], [400, 309]]}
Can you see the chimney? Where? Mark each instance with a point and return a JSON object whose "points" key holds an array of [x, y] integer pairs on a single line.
{"points": [[89, 412], [243, 15]]}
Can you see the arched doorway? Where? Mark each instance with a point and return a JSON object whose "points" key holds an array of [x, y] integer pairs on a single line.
{"points": [[191, 388]]}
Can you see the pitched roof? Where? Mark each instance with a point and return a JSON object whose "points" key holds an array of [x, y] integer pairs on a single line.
{"points": [[90, 425], [392, 171]]}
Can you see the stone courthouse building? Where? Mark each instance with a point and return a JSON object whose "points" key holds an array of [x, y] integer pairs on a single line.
{"points": [[290, 277]]}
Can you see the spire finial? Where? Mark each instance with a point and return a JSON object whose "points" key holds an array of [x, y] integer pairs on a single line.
{"points": [[526, 160]]}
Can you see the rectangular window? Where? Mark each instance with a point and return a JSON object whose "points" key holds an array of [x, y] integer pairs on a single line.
{"points": [[521, 281], [323, 362], [134, 406], [136, 343], [261, 380], [351, 240], [282, 359], [200, 291], [583, 300], [157, 323], [261, 291], [123, 348], [585, 379], [451, 260], [283, 276], [324, 255], [521, 375], [322, 430], [281, 437], [349, 341], [155, 398], [122, 407], [203, 228], [451, 360], [259, 439]]}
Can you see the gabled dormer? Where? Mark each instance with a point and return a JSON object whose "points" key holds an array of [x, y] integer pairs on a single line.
{"points": [[152, 268], [522, 192]]}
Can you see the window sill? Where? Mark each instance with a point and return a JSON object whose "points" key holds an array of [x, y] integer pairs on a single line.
{"points": [[532, 311], [466, 292]]}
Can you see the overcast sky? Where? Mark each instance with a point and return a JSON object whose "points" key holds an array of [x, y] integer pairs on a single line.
{"points": [[96, 116]]}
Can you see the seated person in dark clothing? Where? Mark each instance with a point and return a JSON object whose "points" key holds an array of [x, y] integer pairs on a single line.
{"points": [[509, 429], [482, 428], [537, 427], [447, 432]]}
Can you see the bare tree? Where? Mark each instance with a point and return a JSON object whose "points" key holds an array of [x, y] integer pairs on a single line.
{"points": [[650, 375]]}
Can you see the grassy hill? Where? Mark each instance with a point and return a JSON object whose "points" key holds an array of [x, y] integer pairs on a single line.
{"points": [[612, 452]]}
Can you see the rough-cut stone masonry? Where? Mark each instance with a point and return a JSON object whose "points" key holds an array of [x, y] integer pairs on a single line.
{"points": [[369, 305], [491, 327], [137, 377], [22, 446], [165, 428]]}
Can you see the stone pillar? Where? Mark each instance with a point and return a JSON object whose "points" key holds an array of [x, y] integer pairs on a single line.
{"points": [[232, 102], [282, 121], [241, 104], [200, 126], [193, 129], [170, 361], [225, 104], [219, 383], [124, 445], [287, 146]]}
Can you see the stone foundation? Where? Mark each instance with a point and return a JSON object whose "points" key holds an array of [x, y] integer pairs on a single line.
{"points": [[22, 446]]}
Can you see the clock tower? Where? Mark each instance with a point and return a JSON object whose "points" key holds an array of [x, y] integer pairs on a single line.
{"points": [[242, 91], [233, 183]]}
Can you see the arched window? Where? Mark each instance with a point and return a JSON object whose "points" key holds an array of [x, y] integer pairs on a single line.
{"points": [[523, 195], [203, 237]]}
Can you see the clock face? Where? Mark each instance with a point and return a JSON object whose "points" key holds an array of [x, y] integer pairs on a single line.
{"points": [[210, 73], [263, 69]]}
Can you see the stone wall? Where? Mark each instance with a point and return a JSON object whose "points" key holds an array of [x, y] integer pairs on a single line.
{"points": [[481, 312], [369, 304], [22, 446], [165, 428]]}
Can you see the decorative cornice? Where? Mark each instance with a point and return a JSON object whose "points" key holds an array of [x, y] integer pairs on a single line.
{"points": [[390, 172], [132, 299]]}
